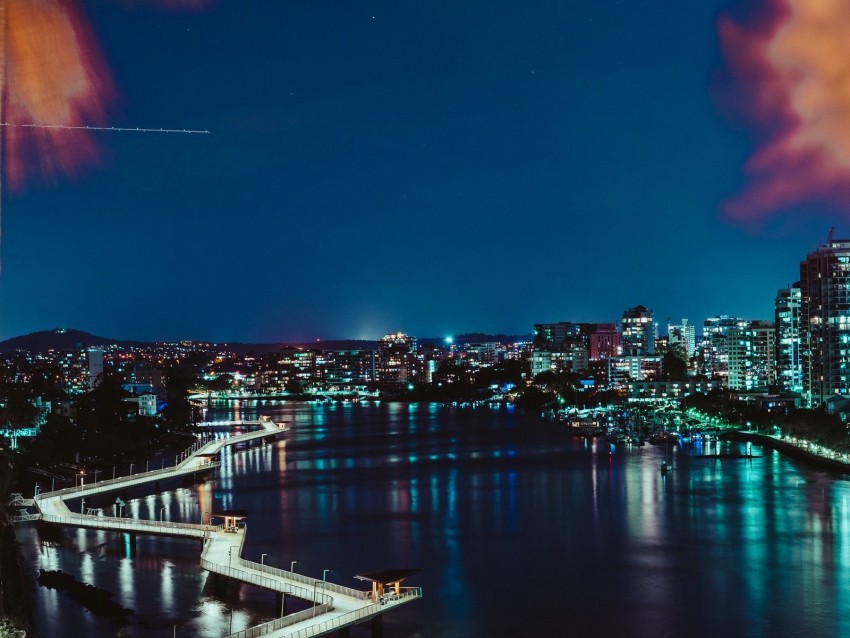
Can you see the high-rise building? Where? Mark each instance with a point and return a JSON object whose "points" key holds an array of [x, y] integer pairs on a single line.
{"points": [[395, 358], [682, 335], [715, 348], [349, 367], [789, 364], [554, 334], [602, 340], [751, 351], [639, 331], [825, 321]]}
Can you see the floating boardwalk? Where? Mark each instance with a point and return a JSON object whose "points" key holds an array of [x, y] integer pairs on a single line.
{"points": [[335, 608]]}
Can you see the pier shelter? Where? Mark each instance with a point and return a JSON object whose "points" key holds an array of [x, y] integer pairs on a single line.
{"points": [[386, 584]]}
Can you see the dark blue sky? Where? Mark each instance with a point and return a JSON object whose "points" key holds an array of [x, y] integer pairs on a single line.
{"points": [[435, 168]]}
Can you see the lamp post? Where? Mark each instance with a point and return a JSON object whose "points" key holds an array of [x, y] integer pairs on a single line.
{"points": [[292, 566], [131, 467], [263, 558], [315, 582], [113, 471], [96, 472], [324, 579], [82, 508]]}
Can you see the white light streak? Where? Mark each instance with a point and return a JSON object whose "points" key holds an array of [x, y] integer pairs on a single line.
{"points": [[105, 128]]}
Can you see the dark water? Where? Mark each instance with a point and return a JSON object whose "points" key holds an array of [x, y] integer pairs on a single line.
{"points": [[521, 531]]}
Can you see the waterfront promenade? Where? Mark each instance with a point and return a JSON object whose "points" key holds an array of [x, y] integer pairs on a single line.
{"points": [[792, 446], [334, 607]]}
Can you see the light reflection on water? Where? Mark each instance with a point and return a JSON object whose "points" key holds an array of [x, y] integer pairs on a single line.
{"points": [[521, 530]]}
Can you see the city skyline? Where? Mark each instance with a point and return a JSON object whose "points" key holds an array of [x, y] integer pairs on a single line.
{"points": [[381, 167]]}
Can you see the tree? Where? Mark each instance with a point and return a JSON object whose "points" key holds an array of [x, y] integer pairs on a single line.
{"points": [[178, 411], [19, 411], [9, 630], [222, 383], [674, 363]]}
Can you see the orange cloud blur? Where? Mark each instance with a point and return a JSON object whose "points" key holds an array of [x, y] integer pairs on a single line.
{"points": [[54, 76], [793, 65]]}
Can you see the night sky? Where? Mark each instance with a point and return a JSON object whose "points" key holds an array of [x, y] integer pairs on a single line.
{"points": [[432, 167]]}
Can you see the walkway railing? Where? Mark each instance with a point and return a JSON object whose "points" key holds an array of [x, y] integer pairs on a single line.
{"points": [[266, 583], [141, 477], [305, 593], [23, 517], [280, 623], [307, 580], [133, 525], [326, 626], [17, 500], [127, 481], [187, 462]]}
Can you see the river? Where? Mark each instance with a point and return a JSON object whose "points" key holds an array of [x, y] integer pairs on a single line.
{"points": [[520, 530]]}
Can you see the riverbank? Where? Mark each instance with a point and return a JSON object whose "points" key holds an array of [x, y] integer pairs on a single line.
{"points": [[16, 584], [790, 449]]}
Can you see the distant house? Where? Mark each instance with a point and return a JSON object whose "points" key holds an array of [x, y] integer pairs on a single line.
{"points": [[147, 404], [838, 404]]}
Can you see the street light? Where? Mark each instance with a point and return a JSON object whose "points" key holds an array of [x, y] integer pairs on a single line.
{"points": [[262, 559], [324, 578], [292, 566], [315, 582], [131, 467]]}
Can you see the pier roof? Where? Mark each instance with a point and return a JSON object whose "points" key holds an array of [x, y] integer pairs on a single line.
{"points": [[388, 576]]}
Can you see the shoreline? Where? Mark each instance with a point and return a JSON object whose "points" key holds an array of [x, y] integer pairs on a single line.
{"points": [[790, 450]]}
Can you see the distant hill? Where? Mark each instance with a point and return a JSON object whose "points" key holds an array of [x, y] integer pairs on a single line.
{"points": [[69, 339], [59, 339]]}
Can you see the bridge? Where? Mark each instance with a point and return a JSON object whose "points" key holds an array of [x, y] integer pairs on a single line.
{"points": [[335, 608]]}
